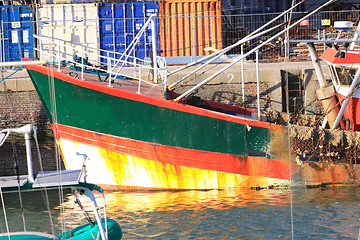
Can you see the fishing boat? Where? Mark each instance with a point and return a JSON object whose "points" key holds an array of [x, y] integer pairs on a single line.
{"points": [[101, 228], [136, 133]]}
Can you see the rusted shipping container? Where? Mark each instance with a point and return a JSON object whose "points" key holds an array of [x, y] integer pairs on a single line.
{"points": [[187, 27]]}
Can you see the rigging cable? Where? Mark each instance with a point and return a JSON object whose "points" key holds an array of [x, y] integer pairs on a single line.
{"points": [[44, 192], [4, 210], [11, 74], [16, 169], [50, 74], [289, 141]]}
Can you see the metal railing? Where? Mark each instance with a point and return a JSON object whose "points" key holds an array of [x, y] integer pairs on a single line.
{"points": [[89, 59]]}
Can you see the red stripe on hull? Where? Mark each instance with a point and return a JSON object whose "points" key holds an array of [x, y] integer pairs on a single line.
{"points": [[251, 166]]}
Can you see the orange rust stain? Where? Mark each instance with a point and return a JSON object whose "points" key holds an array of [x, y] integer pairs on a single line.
{"points": [[134, 171], [279, 143], [319, 173]]}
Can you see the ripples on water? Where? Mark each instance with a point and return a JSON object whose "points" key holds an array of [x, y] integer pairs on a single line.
{"points": [[331, 213]]}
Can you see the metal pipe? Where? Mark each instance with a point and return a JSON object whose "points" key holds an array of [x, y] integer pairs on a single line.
{"points": [[109, 67], [324, 38], [27, 130], [113, 27], [344, 105], [154, 50], [28, 158], [59, 59], [242, 76], [236, 60], [82, 62], [323, 41], [102, 230], [258, 84], [317, 66], [131, 46], [21, 63]]}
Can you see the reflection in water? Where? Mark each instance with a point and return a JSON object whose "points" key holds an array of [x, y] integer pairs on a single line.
{"points": [[231, 214], [192, 200]]}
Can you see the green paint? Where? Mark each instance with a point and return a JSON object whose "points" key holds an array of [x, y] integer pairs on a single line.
{"points": [[257, 139], [95, 111]]}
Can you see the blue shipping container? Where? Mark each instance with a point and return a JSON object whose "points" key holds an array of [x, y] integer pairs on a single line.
{"points": [[119, 24], [17, 33]]}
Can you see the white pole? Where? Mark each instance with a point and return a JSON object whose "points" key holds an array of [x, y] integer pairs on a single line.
{"points": [[324, 38], [28, 158], [343, 107], [59, 59], [41, 49], [109, 67], [154, 50], [258, 83], [103, 232], [242, 76], [82, 62], [21, 63], [317, 65], [139, 91]]}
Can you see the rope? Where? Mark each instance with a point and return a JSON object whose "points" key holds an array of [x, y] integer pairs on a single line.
{"points": [[44, 192], [11, 74], [289, 142], [16, 168], [57, 155], [4, 210]]}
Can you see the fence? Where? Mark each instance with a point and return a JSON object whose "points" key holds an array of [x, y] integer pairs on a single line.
{"points": [[235, 27], [191, 34]]}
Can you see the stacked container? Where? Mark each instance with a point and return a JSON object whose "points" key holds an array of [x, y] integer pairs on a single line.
{"points": [[77, 23], [121, 22], [188, 27], [16, 33]]}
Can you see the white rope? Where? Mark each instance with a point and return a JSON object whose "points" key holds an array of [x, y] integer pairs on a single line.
{"points": [[21, 205], [57, 155], [289, 141], [4, 210], [45, 193]]}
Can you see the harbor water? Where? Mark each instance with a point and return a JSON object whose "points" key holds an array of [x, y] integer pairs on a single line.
{"points": [[319, 213]]}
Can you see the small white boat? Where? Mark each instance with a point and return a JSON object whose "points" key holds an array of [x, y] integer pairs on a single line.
{"points": [[101, 228]]}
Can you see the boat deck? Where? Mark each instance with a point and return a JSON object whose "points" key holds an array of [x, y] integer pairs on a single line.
{"points": [[13, 181], [131, 85]]}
